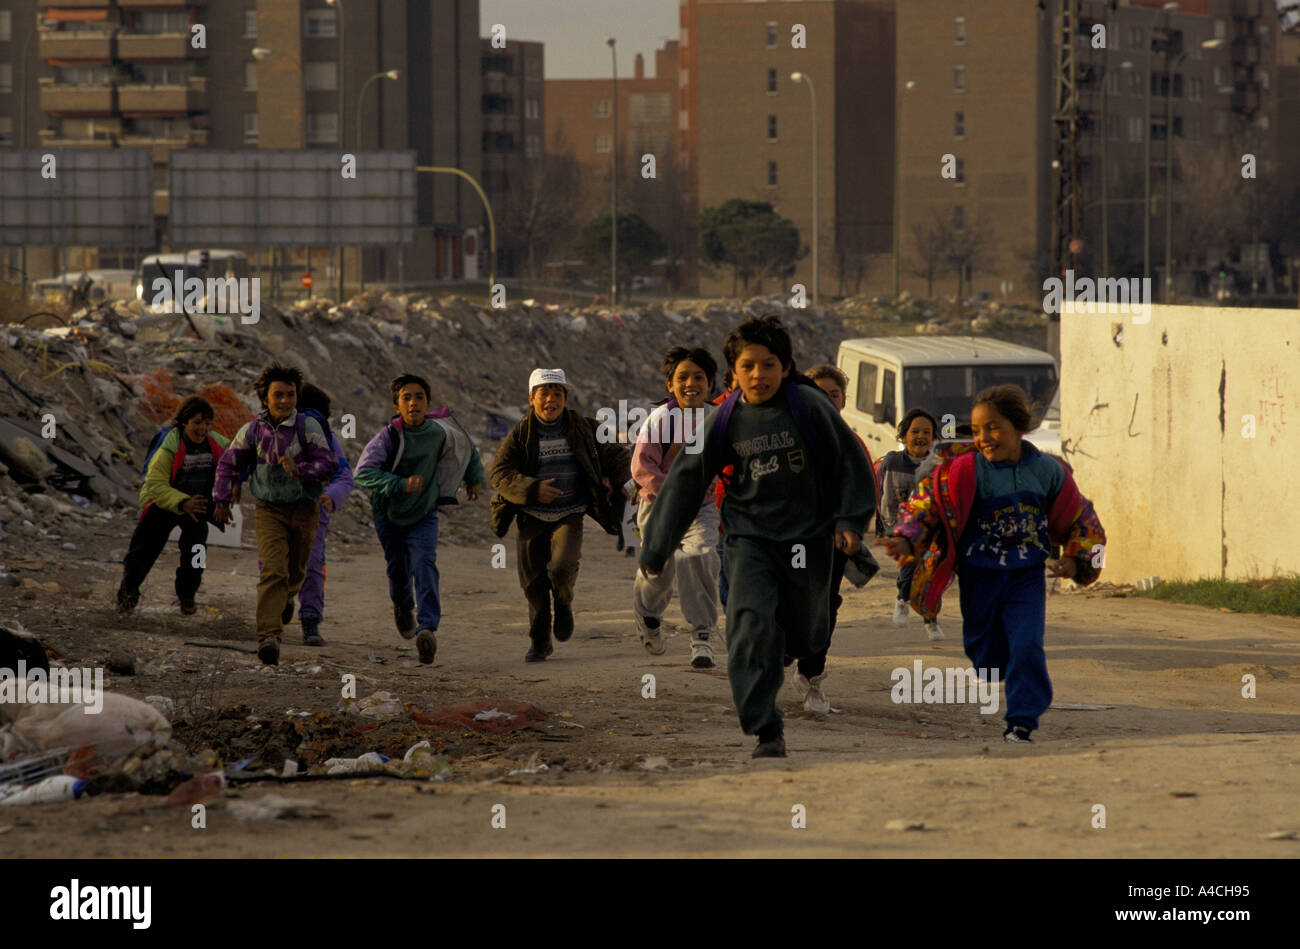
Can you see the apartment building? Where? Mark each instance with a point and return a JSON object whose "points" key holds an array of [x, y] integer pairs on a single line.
{"points": [[750, 127], [514, 128], [283, 74]]}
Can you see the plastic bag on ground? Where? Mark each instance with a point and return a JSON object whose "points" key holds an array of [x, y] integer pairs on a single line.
{"points": [[120, 726]]}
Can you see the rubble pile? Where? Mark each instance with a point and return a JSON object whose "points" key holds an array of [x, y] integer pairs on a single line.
{"points": [[1013, 322], [107, 380]]}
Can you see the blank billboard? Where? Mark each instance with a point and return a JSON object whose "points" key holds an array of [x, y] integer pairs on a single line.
{"points": [[264, 198], [97, 197]]}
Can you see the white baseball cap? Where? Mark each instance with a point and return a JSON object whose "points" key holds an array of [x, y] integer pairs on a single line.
{"points": [[546, 377]]}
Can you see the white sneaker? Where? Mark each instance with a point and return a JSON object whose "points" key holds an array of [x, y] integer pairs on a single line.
{"points": [[701, 653], [932, 629], [652, 639], [814, 700], [901, 608]]}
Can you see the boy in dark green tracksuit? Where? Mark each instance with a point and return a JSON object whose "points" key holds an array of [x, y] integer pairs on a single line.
{"points": [[800, 477]]}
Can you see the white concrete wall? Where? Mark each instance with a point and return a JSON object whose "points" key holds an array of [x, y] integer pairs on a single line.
{"points": [[1182, 493]]}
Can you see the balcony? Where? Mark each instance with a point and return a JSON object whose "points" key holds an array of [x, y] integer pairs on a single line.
{"points": [[155, 47], [67, 99], [77, 45], [1245, 101], [495, 82], [499, 122], [74, 4], [1245, 51], [152, 4], [191, 97], [1246, 8]]}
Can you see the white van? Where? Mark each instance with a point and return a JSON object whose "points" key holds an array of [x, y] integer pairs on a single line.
{"points": [[221, 264], [890, 374], [104, 285]]}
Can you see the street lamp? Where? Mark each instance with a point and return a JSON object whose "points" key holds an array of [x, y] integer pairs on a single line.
{"points": [[339, 27], [390, 74], [800, 77], [613, 185], [898, 190]]}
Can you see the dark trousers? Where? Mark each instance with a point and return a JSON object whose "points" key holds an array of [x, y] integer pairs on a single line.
{"points": [[148, 541], [549, 556], [905, 580], [1003, 613], [774, 609], [815, 664], [412, 555]]}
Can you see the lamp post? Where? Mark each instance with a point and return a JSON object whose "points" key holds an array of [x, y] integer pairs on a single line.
{"points": [[613, 184], [800, 77], [392, 74], [898, 190]]}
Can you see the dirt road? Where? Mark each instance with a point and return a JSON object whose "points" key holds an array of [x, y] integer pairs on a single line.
{"points": [[1182, 764]]}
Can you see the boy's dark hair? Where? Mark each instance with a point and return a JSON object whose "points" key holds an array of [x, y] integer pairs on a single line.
{"points": [[193, 407], [1010, 401], [698, 355], [314, 397], [275, 372], [409, 379], [826, 371], [766, 331], [911, 416]]}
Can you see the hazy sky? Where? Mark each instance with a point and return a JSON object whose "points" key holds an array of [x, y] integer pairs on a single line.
{"points": [[575, 31]]}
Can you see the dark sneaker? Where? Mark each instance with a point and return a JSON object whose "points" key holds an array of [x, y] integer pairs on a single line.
{"points": [[287, 615], [126, 602], [188, 606], [563, 623], [311, 630], [1016, 733], [426, 644], [268, 650], [770, 749], [405, 620], [539, 653]]}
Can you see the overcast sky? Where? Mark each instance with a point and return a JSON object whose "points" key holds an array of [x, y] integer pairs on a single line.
{"points": [[575, 31]]}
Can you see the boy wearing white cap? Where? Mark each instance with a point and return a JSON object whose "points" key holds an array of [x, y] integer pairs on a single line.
{"points": [[549, 471]]}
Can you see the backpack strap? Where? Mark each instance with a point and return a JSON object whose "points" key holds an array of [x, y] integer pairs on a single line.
{"points": [[803, 422], [396, 436], [718, 436]]}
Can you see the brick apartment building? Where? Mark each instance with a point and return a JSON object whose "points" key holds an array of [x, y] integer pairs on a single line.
{"points": [[748, 126], [514, 130], [580, 117], [126, 73]]}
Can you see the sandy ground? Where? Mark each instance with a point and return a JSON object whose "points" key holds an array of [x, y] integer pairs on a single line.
{"points": [[1183, 765]]}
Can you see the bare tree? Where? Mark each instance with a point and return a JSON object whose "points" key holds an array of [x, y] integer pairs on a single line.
{"points": [[851, 248], [971, 251], [539, 213], [933, 239]]}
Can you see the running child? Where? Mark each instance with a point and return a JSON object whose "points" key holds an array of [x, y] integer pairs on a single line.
{"points": [[311, 598], [550, 470], [898, 479], [399, 466], [993, 515], [177, 492], [801, 488], [286, 460], [689, 376]]}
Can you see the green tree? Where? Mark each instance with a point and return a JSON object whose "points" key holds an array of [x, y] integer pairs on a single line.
{"points": [[751, 239], [639, 245]]}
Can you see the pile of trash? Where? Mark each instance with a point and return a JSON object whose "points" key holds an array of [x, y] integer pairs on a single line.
{"points": [[1014, 322], [79, 403]]}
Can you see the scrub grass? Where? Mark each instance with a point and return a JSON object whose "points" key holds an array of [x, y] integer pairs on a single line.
{"points": [[1279, 596]]}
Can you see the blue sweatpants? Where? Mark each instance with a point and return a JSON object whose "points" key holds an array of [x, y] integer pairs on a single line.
{"points": [[412, 554], [1003, 613]]}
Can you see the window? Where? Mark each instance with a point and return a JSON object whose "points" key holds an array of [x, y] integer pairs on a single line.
{"points": [[961, 171], [959, 124], [866, 397], [1112, 82], [771, 81], [320, 24], [602, 144], [771, 36], [6, 77], [6, 26], [1220, 29], [154, 74], [602, 108], [1263, 79], [1218, 77], [771, 174], [250, 77], [250, 126], [959, 78], [533, 146], [320, 77], [6, 129], [684, 74], [154, 22], [887, 398], [1220, 123], [322, 127], [1263, 121], [1135, 37], [1135, 83], [1112, 127], [250, 25], [532, 109], [1196, 90], [771, 128], [959, 34], [1135, 128], [685, 120], [958, 221]]}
